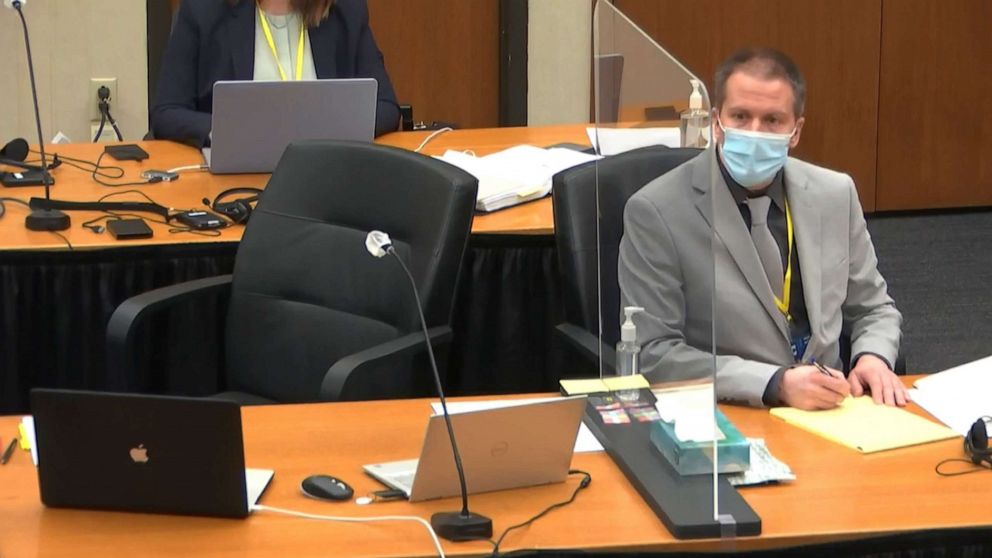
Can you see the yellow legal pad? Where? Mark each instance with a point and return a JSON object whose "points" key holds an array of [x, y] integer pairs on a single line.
{"points": [[860, 424], [597, 385]]}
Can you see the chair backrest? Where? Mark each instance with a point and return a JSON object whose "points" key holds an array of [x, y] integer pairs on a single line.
{"points": [[306, 292], [575, 207]]}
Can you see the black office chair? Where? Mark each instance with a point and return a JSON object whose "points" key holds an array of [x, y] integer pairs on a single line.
{"points": [[574, 194], [311, 314]]}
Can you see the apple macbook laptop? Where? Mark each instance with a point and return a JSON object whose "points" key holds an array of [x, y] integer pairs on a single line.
{"points": [[507, 447], [143, 453], [254, 121]]}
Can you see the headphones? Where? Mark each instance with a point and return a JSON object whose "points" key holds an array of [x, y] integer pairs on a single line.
{"points": [[15, 150], [238, 210], [976, 443]]}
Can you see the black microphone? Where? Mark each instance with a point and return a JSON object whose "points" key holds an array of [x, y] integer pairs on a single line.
{"points": [[453, 526], [39, 219]]}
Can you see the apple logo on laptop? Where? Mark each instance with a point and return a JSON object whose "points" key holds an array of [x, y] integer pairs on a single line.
{"points": [[139, 454]]}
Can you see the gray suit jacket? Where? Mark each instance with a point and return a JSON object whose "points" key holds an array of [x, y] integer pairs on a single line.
{"points": [[683, 239]]}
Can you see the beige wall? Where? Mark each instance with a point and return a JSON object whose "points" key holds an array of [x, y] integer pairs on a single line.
{"points": [[559, 48], [72, 41]]}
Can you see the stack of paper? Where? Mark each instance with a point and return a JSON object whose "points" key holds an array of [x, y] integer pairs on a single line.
{"points": [[517, 174], [958, 396], [860, 424]]}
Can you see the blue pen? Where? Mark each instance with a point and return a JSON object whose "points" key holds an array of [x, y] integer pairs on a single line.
{"points": [[820, 367]]}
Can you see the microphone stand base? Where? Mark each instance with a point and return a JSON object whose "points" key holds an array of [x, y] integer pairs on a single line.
{"points": [[47, 220], [457, 526]]}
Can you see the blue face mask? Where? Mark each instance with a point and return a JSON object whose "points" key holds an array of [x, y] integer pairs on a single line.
{"points": [[753, 158]]}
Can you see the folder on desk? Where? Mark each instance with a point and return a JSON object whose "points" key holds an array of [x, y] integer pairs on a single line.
{"points": [[860, 424]]}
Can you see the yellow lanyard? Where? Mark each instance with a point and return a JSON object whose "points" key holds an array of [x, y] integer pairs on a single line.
{"points": [[783, 303], [272, 46]]}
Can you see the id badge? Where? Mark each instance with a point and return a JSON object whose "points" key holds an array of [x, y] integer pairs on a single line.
{"points": [[799, 344]]}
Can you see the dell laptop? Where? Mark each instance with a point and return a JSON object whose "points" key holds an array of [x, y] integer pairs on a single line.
{"points": [[254, 121], [143, 453], [507, 447]]}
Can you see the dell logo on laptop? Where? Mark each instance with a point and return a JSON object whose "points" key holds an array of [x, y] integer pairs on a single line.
{"points": [[139, 454]]}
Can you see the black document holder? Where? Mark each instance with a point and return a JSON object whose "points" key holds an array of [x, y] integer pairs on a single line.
{"points": [[683, 503]]}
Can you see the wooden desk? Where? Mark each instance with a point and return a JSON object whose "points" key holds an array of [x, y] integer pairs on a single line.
{"points": [[839, 494], [188, 192]]}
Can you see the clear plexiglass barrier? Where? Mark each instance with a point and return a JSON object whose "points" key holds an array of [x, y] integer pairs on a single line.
{"points": [[656, 282]]}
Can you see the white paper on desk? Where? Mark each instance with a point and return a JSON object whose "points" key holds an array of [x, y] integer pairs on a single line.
{"points": [[618, 140], [585, 442], [957, 396], [515, 175]]}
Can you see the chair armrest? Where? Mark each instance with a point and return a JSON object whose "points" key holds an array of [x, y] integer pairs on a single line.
{"points": [[587, 345], [131, 313], [352, 367]]}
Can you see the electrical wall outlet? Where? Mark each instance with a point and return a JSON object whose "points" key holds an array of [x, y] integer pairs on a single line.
{"points": [[106, 136], [93, 101]]}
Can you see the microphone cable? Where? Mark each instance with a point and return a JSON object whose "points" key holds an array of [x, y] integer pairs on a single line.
{"points": [[110, 214], [294, 513], [584, 483], [103, 94], [112, 172], [431, 137], [98, 170]]}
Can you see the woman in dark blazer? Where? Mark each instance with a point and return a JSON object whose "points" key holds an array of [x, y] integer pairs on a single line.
{"points": [[214, 40]]}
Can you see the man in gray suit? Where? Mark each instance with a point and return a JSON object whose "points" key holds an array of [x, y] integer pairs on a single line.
{"points": [[794, 265]]}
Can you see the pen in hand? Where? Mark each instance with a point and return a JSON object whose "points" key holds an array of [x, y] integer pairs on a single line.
{"points": [[8, 452], [823, 369]]}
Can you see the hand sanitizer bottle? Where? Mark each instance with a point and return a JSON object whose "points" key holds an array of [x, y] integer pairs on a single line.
{"points": [[628, 352], [695, 123]]}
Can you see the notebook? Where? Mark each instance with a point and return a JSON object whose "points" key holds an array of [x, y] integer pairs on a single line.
{"points": [[501, 448], [143, 453], [254, 121], [860, 424]]}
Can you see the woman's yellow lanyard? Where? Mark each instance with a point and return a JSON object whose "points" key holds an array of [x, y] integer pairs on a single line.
{"points": [[272, 46], [783, 303]]}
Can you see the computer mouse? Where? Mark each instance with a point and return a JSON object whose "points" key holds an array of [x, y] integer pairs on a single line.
{"points": [[326, 487]]}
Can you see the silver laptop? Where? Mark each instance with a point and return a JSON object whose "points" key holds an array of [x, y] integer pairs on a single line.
{"points": [[507, 447], [254, 121], [143, 453]]}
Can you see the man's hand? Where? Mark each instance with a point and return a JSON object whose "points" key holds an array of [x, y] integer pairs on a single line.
{"points": [[872, 373], [805, 387]]}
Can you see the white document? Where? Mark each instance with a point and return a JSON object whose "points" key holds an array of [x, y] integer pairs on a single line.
{"points": [[957, 396], [255, 482], [617, 140], [584, 442], [515, 175]]}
